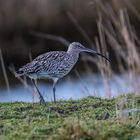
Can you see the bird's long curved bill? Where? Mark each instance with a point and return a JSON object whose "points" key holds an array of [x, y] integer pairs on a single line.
{"points": [[103, 56], [94, 52]]}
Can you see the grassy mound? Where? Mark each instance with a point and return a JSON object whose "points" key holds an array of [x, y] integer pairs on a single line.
{"points": [[85, 119]]}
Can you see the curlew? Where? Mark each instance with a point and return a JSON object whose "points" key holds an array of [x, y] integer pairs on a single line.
{"points": [[54, 65]]}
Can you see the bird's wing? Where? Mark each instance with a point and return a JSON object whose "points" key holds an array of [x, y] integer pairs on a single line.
{"points": [[48, 62], [51, 63], [26, 69]]}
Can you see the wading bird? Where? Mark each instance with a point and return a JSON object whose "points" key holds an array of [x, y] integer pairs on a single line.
{"points": [[54, 65]]}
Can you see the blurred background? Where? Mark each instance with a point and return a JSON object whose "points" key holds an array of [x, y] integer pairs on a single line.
{"points": [[29, 28]]}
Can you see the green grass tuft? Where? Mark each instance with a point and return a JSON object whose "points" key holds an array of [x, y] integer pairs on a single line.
{"points": [[85, 119]]}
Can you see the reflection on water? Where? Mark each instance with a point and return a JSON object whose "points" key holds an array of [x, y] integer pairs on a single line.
{"points": [[91, 85]]}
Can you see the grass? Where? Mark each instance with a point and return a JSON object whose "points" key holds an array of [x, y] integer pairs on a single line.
{"points": [[85, 119]]}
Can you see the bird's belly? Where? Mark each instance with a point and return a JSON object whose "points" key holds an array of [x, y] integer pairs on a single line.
{"points": [[40, 76]]}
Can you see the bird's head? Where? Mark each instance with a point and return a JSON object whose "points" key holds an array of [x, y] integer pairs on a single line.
{"points": [[78, 47]]}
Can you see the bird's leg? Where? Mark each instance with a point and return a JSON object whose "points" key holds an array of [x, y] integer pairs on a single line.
{"points": [[54, 97], [54, 84], [42, 101]]}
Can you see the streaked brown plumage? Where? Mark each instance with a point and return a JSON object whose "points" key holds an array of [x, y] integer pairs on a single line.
{"points": [[55, 64]]}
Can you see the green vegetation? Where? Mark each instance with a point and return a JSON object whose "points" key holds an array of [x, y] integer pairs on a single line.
{"points": [[85, 119]]}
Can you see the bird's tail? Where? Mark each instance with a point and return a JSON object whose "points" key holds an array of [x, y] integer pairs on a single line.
{"points": [[26, 69], [20, 72]]}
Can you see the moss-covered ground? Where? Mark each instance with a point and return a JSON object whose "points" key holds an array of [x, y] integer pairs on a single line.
{"points": [[86, 119]]}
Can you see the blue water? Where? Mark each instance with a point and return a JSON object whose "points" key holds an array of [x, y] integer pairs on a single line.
{"points": [[89, 85]]}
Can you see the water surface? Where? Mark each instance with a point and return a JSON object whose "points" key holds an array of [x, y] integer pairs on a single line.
{"points": [[89, 85]]}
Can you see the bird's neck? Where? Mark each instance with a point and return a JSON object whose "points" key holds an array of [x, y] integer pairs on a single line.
{"points": [[73, 52]]}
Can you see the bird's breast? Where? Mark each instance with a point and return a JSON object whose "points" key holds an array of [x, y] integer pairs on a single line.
{"points": [[65, 67]]}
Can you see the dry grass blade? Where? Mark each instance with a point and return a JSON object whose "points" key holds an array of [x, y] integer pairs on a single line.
{"points": [[75, 22], [25, 78], [4, 71], [13, 71], [52, 37], [132, 8], [105, 72]]}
